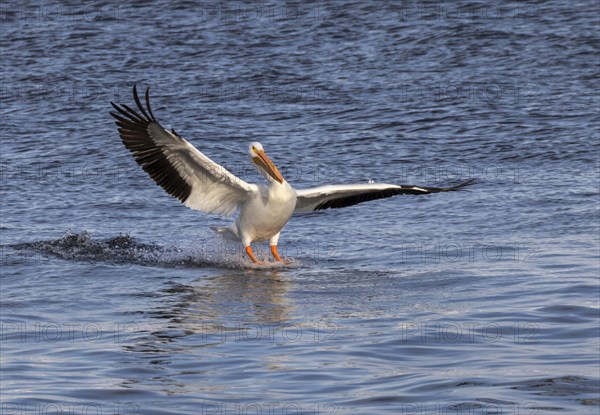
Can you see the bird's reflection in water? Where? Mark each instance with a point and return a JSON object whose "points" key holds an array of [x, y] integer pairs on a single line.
{"points": [[195, 318], [255, 296]]}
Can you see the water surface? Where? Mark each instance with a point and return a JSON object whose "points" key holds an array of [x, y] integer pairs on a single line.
{"points": [[117, 299]]}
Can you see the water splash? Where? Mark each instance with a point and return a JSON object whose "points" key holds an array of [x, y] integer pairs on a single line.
{"points": [[126, 249]]}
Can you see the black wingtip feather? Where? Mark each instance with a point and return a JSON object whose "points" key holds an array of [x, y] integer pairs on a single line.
{"points": [[133, 130], [139, 103], [148, 104], [461, 186]]}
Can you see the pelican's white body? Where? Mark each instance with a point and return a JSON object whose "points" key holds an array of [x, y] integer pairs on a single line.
{"points": [[265, 213]]}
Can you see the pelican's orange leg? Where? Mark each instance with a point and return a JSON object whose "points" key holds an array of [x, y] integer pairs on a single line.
{"points": [[251, 254], [275, 253]]}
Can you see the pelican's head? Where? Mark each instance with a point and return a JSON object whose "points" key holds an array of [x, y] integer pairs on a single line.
{"points": [[263, 162]]}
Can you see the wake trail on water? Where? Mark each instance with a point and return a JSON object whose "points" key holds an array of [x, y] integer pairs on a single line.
{"points": [[126, 249]]}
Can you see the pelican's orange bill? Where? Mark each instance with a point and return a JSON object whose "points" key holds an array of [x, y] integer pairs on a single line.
{"points": [[265, 162]]}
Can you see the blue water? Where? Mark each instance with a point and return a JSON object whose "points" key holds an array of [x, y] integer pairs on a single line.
{"points": [[116, 299]]}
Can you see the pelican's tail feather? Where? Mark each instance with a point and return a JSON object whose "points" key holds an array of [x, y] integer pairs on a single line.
{"points": [[225, 232]]}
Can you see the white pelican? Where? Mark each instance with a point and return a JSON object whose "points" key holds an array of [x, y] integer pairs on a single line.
{"points": [[201, 184]]}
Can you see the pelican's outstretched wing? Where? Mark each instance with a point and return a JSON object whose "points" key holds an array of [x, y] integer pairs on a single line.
{"points": [[338, 196], [176, 165]]}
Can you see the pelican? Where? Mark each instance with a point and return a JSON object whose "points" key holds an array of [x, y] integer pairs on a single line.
{"points": [[201, 184]]}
